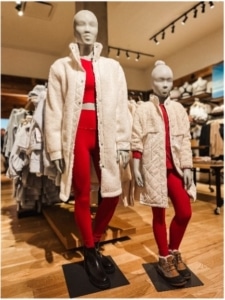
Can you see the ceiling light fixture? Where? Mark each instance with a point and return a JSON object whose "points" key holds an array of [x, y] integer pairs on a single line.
{"points": [[137, 58], [195, 13], [211, 4], [118, 53], [20, 8], [182, 18], [203, 7], [127, 51]]}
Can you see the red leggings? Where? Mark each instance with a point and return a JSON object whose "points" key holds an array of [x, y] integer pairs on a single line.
{"points": [[86, 146], [178, 225]]}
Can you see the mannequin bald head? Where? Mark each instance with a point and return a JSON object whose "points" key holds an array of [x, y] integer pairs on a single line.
{"points": [[162, 80], [85, 26]]}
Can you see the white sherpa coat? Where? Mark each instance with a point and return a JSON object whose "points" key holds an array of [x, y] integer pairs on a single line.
{"points": [[148, 137], [63, 107]]}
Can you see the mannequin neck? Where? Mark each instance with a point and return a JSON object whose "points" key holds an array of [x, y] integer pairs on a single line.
{"points": [[86, 51]]}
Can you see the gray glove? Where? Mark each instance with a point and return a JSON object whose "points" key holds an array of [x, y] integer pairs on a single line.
{"points": [[187, 178]]}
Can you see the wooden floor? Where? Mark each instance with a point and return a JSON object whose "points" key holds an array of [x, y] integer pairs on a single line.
{"points": [[32, 255]]}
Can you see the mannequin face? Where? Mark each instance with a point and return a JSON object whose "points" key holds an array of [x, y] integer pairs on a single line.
{"points": [[85, 27], [162, 81]]}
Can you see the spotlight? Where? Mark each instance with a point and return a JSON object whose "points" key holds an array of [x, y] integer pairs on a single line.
{"points": [[127, 55], [118, 53], [211, 4], [156, 41], [184, 20], [203, 7], [137, 58], [19, 8], [195, 13], [173, 28], [163, 35]]}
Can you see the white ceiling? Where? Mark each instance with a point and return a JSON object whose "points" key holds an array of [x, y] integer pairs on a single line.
{"points": [[130, 25]]}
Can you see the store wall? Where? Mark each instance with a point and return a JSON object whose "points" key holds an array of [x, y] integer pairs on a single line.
{"points": [[205, 52]]}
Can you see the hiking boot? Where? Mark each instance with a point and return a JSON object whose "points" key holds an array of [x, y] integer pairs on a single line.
{"points": [[168, 271], [180, 265]]}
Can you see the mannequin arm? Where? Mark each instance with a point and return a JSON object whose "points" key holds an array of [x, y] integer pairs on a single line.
{"points": [[60, 165], [187, 178], [125, 155], [137, 173]]}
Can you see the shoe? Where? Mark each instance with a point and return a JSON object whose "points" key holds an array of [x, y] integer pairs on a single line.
{"points": [[180, 265], [94, 269], [106, 262], [168, 271]]}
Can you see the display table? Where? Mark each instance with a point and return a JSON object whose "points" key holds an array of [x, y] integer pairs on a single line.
{"points": [[61, 219], [217, 167]]}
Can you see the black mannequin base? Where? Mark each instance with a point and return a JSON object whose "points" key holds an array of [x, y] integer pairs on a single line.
{"points": [[78, 283]]}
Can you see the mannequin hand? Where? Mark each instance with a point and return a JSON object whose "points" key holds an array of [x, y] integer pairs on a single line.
{"points": [[125, 155], [60, 165], [137, 173], [187, 178]]}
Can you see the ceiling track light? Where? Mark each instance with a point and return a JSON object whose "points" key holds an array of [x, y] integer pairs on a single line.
{"points": [[156, 41], [211, 4], [127, 52], [203, 7], [138, 57], [182, 18], [195, 13], [20, 8], [173, 28]]}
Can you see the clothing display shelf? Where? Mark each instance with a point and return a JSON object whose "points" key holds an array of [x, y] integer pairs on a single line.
{"points": [[204, 97]]}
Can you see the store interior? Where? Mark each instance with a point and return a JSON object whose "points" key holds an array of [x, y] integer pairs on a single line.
{"points": [[40, 242]]}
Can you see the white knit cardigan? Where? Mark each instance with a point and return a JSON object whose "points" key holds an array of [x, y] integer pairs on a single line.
{"points": [[63, 107]]}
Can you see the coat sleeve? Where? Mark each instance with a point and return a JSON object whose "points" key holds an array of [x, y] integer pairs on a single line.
{"points": [[54, 114], [123, 121], [137, 131], [186, 153]]}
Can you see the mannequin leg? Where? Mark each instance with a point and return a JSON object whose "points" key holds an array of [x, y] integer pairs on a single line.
{"points": [[159, 230], [106, 206], [182, 207], [81, 182]]}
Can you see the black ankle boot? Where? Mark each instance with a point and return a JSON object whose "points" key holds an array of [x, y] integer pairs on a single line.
{"points": [[94, 269], [106, 263]]}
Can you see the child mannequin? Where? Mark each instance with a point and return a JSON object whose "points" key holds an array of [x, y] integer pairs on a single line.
{"points": [[162, 165]]}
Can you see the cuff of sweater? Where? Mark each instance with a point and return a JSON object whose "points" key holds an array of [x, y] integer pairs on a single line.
{"points": [[137, 154]]}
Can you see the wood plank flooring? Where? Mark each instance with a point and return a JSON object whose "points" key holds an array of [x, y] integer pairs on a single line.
{"points": [[32, 255]]}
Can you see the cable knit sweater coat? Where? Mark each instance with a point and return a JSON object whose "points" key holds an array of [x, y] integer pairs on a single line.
{"points": [[148, 137], [63, 107]]}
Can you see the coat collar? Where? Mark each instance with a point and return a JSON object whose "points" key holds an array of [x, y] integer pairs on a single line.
{"points": [[153, 98], [75, 53]]}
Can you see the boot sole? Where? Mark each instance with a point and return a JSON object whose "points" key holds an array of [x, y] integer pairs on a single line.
{"points": [[181, 284]]}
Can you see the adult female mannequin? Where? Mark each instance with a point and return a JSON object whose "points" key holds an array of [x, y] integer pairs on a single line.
{"points": [[162, 164], [87, 117]]}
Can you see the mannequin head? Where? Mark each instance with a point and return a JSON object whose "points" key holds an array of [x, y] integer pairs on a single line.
{"points": [[85, 26], [162, 80]]}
